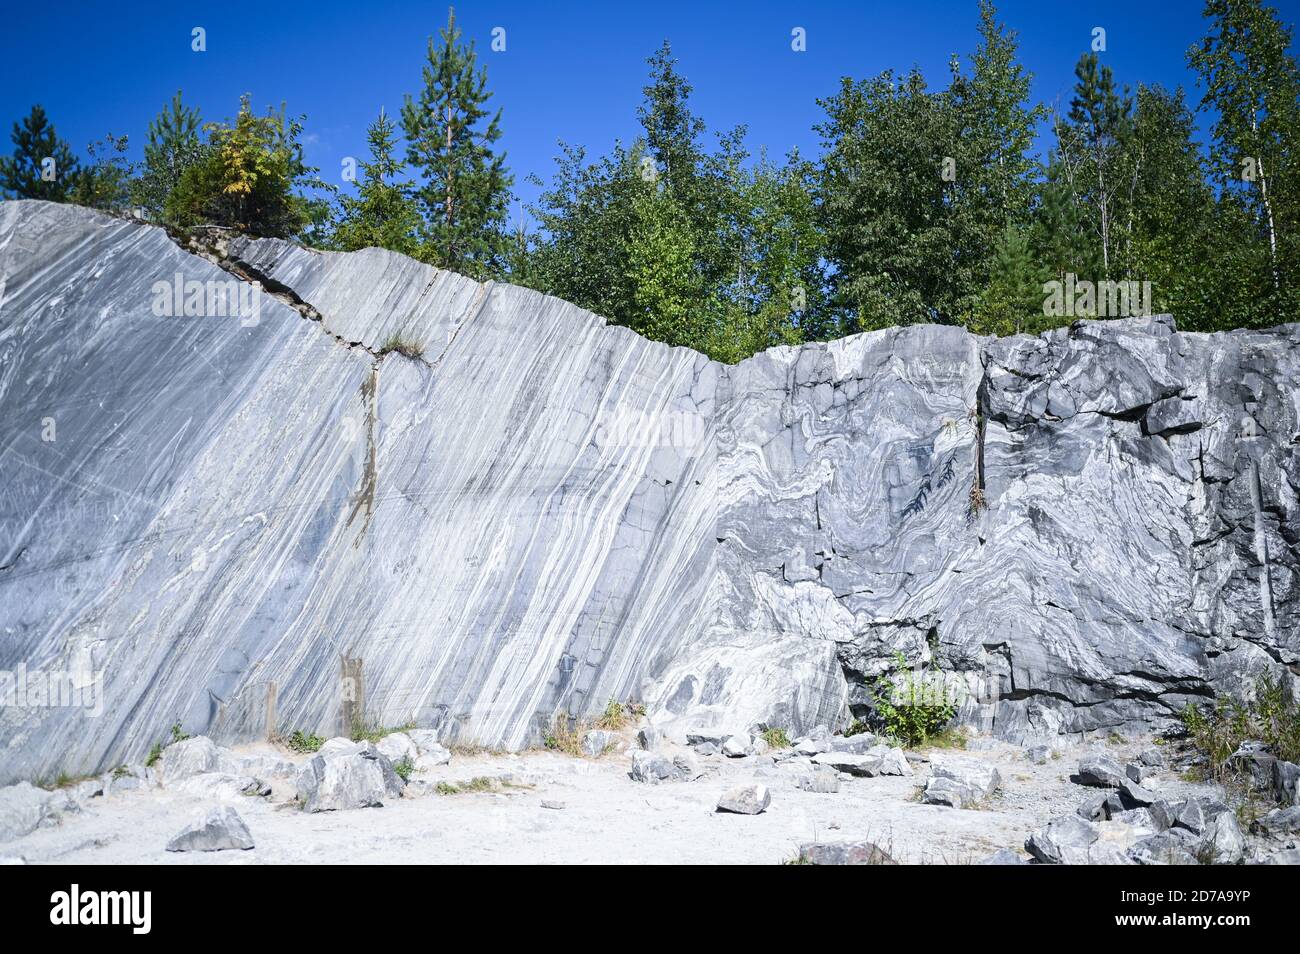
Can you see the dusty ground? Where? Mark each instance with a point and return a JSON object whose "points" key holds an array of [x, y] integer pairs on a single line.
{"points": [[606, 817]]}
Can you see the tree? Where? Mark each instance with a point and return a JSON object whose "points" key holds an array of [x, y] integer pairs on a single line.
{"points": [[1252, 83], [1091, 143], [174, 145], [105, 183], [27, 174], [662, 268], [885, 205], [465, 197], [246, 178], [382, 215], [917, 186], [1013, 300]]}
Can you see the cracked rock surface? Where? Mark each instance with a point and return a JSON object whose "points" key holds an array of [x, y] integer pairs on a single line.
{"points": [[506, 508]]}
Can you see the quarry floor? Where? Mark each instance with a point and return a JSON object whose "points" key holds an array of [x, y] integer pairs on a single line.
{"points": [[605, 816]]}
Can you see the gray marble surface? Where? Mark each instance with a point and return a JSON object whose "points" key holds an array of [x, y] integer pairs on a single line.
{"points": [[506, 508]]}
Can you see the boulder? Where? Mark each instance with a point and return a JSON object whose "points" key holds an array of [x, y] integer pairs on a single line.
{"points": [[1279, 822], [737, 746], [745, 800], [960, 785], [393, 783], [342, 783], [195, 756], [706, 749], [844, 853], [1173, 847], [859, 744], [596, 742], [1100, 771], [339, 745], [822, 780], [1254, 762], [1133, 795], [652, 769], [1093, 808], [1223, 842], [397, 746], [216, 829], [1039, 755], [1005, 856], [1286, 782], [430, 759], [23, 809], [649, 738], [1188, 815], [889, 761], [1136, 772], [222, 785], [1065, 840]]}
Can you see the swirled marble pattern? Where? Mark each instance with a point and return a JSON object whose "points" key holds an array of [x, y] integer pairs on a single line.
{"points": [[507, 509]]}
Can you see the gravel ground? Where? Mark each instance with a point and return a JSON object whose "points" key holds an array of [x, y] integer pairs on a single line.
{"points": [[594, 813]]}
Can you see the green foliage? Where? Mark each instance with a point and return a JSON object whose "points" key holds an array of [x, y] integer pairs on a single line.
{"points": [[369, 732], [1216, 731], [305, 742], [696, 248], [776, 738], [564, 735], [179, 734], [246, 178], [36, 140], [615, 717], [174, 144], [404, 767], [464, 193], [382, 214], [104, 183], [912, 709], [155, 754]]}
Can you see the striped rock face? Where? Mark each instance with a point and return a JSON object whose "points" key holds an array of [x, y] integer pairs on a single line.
{"points": [[272, 485]]}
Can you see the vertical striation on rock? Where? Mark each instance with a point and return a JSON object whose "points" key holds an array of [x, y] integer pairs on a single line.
{"points": [[506, 508]]}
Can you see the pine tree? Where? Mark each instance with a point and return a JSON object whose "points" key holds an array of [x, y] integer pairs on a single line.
{"points": [[174, 144], [1090, 147], [35, 141], [382, 215], [450, 143], [1012, 301]]}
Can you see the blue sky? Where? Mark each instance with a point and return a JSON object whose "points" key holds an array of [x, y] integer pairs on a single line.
{"points": [[570, 71]]}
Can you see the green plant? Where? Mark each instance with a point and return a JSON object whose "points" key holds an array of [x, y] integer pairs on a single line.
{"points": [[857, 727], [363, 732], [121, 772], [1217, 730], [564, 736], [776, 738], [179, 734], [914, 709], [154, 755], [404, 767], [614, 717], [305, 742]]}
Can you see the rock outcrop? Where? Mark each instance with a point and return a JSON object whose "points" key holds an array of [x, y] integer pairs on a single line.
{"points": [[503, 508]]}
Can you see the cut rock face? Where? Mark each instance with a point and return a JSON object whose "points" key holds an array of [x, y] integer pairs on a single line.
{"points": [[617, 519]]}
